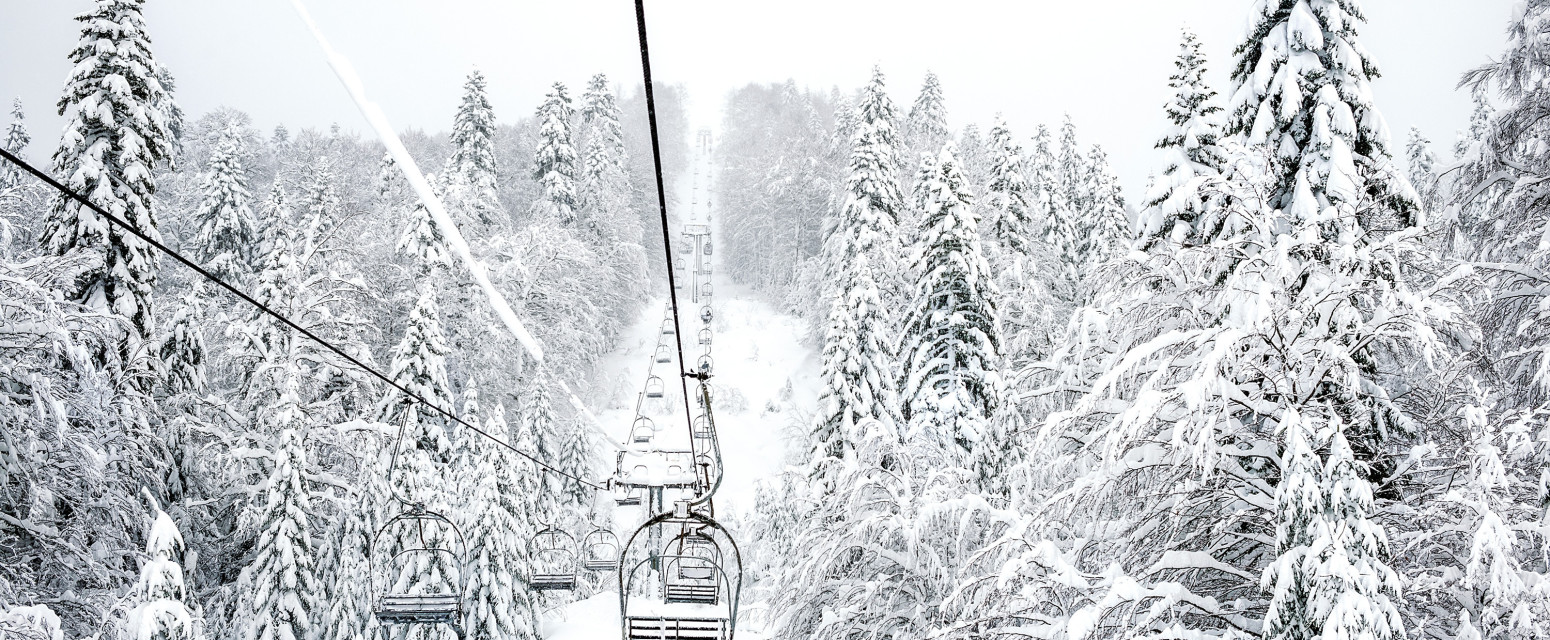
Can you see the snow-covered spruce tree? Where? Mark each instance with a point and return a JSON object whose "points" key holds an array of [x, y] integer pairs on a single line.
{"points": [[1299, 510], [1060, 220], [513, 494], [16, 141], [423, 240], [182, 350], [1204, 354], [1354, 591], [285, 600], [1009, 197], [1190, 154], [500, 607], [320, 205], [420, 365], [473, 151], [858, 358], [161, 612], [1423, 171], [538, 421], [1105, 226], [347, 611], [974, 155], [554, 161], [603, 155], [951, 335], [120, 127], [1072, 172], [926, 128], [228, 230]]}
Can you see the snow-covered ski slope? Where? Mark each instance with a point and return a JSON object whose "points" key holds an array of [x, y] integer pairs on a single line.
{"points": [[764, 387]]}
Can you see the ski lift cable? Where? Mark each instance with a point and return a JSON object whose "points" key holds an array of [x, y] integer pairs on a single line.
{"points": [[156, 244], [667, 243]]}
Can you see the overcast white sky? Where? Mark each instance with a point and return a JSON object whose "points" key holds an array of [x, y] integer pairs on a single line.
{"points": [[1104, 62]]}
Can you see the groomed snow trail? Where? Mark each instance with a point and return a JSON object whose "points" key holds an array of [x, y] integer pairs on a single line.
{"points": [[764, 388]]}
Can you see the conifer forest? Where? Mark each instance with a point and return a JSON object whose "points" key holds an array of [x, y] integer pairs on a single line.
{"points": [[947, 377]]}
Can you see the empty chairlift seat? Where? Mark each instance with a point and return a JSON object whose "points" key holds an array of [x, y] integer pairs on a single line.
{"points": [[705, 290], [655, 387], [705, 336], [601, 551], [554, 560], [643, 430], [701, 427], [436, 535], [668, 328], [672, 628], [664, 353]]}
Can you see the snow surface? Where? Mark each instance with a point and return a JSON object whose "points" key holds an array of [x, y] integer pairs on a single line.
{"points": [[758, 351]]}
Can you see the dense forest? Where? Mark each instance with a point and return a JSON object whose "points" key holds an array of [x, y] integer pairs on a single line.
{"points": [[1295, 390]]}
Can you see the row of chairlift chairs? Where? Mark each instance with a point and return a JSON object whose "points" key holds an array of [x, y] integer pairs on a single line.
{"points": [[691, 566]]}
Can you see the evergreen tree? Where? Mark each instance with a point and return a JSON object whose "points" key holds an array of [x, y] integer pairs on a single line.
{"points": [[473, 150], [348, 614], [285, 602], [603, 162], [1008, 196], [858, 370], [227, 228], [16, 141], [160, 612], [554, 162], [1300, 505], [926, 127], [320, 205], [1105, 227], [183, 350], [500, 607], [1072, 172], [1354, 592], [538, 421], [1191, 156], [420, 365], [121, 126], [423, 239], [1423, 169], [513, 495], [951, 335]]}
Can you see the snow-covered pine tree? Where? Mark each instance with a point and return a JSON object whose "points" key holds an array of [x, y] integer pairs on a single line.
{"points": [[182, 350], [420, 365], [320, 205], [858, 357], [1072, 172], [603, 161], [1300, 507], [1354, 591], [16, 141], [347, 613], [228, 230], [500, 607], [121, 126], [423, 240], [1497, 594], [1104, 225], [514, 492], [1059, 218], [950, 348], [473, 150], [161, 612], [1423, 171], [538, 420], [554, 161], [1190, 153], [285, 600], [1009, 197], [926, 126], [974, 155]]}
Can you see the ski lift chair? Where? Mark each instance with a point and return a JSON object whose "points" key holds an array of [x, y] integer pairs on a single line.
{"points": [[706, 315], [554, 560], [701, 426], [642, 430], [655, 387], [668, 328], [715, 617], [399, 608], [707, 243], [705, 335], [602, 551], [629, 496], [704, 364], [664, 354], [705, 290]]}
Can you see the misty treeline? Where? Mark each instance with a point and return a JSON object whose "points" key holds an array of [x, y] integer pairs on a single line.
{"points": [[176, 464], [1297, 390]]}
